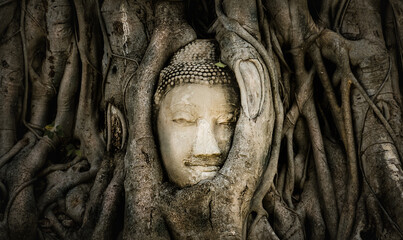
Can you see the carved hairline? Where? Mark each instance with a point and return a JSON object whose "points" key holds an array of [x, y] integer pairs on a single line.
{"points": [[196, 63]]}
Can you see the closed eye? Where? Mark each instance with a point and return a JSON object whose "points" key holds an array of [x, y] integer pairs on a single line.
{"points": [[227, 119], [184, 118], [183, 121]]}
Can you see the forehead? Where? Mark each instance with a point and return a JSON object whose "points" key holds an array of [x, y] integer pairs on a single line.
{"points": [[200, 96]]}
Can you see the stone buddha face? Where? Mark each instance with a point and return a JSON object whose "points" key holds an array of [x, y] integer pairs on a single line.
{"points": [[197, 108], [195, 126]]}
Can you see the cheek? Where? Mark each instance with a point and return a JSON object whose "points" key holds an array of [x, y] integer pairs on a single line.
{"points": [[176, 142], [224, 135], [182, 139]]}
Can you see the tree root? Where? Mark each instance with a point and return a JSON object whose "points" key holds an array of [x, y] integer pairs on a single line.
{"points": [[26, 71], [307, 192], [231, 25], [56, 225], [70, 179], [111, 199], [16, 149], [289, 187], [347, 216], [325, 184], [12, 199], [143, 170]]}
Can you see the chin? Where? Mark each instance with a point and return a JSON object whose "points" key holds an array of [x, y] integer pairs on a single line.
{"points": [[206, 175], [196, 174]]}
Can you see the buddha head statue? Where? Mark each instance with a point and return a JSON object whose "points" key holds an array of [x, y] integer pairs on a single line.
{"points": [[196, 108]]}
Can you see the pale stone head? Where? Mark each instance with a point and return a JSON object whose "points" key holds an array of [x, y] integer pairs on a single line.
{"points": [[196, 115]]}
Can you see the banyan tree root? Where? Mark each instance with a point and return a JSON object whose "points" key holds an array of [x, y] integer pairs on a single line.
{"points": [[329, 190], [126, 34], [143, 170], [231, 25], [31, 158], [12, 75], [343, 53]]}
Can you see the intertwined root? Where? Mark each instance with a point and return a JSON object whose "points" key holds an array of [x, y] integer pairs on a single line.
{"points": [[57, 57]]}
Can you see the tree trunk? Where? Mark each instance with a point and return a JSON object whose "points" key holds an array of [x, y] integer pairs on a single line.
{"points": [[317, 147]]}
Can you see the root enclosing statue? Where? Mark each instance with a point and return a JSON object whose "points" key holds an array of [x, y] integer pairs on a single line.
{"points": [[201, 119]]}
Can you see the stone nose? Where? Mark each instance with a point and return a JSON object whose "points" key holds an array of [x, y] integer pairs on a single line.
{"points": [[205, 144]]}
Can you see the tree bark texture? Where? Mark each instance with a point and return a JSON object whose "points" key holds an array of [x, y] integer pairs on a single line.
{"points": [[317, 149]]}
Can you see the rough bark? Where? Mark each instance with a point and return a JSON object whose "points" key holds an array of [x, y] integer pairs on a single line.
{"points": [[317, 150]]}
